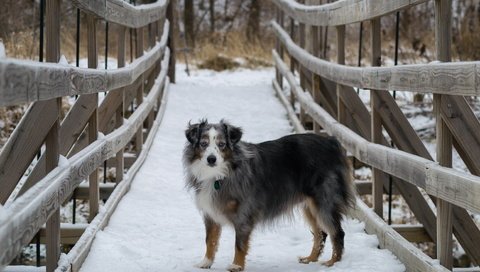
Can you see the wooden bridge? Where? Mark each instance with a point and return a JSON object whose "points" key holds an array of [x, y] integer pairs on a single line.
{"points": [[61, 152]]}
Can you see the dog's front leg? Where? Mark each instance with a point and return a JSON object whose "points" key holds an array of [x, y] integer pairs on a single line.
{"points": [[213, 231], [242, 240]]}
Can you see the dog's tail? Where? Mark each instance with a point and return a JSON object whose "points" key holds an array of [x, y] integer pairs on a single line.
{"points": [[345, 175]]}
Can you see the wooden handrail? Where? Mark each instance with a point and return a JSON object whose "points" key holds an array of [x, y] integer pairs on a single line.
{"points": [[459, 188], [25, 216], [344, 11], [23, 81], [458, 78], [123, 13]]}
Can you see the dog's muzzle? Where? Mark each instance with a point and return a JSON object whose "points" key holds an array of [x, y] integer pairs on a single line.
{"points": [[211, 160]]}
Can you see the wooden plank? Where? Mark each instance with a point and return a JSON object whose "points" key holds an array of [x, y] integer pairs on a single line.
{"points": [[123, 13], [32, 210], [458, 78], [106, 189], [79, 252], [93, 120], [69, 233], [297, 125], [52, 26], [411, 168], [344, 11], [411, 256], [70, 129], [23, 145], [24, 81], [413, 233]]}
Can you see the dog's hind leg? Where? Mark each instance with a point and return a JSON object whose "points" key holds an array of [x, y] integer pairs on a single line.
{"points": [[319, 236], [213, 231], [332, 223]]}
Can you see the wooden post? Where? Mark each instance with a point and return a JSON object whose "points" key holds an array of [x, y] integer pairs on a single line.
{"points": [[316, 78], [301, 43], [139, 98], [443, 43], [278, 47], [292, 35], [376, 122], [94, 192], [120, 110], [52, 141], [340, 60], [171, 16]]}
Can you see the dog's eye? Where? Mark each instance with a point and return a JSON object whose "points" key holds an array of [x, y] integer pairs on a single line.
{"points": [[203, 144], [221, 144]]}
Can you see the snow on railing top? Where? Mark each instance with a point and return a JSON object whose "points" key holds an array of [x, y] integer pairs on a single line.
{"points": [[456, 78], [123, 13], [23, 218], [23, 81], [342, 12]]}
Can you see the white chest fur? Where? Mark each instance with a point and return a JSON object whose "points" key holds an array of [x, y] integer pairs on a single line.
{"points": [[205, 203]]}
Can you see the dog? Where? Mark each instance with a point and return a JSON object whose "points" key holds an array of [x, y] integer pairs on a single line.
{"points": [[243, 185]]}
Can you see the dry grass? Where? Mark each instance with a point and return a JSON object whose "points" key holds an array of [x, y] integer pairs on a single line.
{"points": [[218, 51]]}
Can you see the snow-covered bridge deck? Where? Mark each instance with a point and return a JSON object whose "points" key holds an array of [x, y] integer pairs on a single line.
{"points": [[156, 226]]}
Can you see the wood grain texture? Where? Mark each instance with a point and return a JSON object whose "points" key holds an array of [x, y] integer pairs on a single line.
{"points": [[37, 204], [123, 13], [28, 81], [411, 256], [344, 11], [457, 78], [411, 168], [78, 254]]}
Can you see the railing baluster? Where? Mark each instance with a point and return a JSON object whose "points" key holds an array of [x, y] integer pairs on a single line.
{"points": [[52, 140], [375, 119], [443, 43], [120, 110], [93, 121], [139, 97]]}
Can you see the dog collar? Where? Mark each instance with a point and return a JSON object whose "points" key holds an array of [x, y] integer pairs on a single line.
{"points": [[216, 185]]}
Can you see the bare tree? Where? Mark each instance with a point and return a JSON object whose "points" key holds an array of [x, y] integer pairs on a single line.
{"points": [[189, 21], [253, 24], [212, 16]]}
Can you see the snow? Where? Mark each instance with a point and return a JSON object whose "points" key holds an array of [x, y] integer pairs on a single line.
{"points": [[156, 226], [2, 50]]}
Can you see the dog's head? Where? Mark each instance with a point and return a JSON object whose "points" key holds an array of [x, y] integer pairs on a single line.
{"points": [[210, 148]]}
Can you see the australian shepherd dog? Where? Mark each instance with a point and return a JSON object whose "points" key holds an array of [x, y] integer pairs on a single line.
{"points": [[243, 185]]}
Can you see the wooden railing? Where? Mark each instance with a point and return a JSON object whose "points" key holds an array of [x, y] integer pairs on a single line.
{"points": [[72, 148], [327, 99]]}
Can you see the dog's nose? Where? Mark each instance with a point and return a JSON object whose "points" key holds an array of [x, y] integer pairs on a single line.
{"points": [[211, 159]]}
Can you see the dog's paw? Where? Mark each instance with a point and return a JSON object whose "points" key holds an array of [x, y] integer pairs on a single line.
{"points": [[306, 260], [234, 268], [205, 263], [329, 262]]}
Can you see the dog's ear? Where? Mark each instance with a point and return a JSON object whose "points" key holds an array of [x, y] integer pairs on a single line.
{"points": [[193, 131], [234, 134]]}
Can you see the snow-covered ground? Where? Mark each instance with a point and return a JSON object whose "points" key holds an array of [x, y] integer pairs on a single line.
{"points": [[156, 226]]}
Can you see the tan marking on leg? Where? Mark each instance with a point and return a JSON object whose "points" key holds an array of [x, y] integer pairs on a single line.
{"points": [[318, 242], [336, 256], [213, 235], [239, 258]]}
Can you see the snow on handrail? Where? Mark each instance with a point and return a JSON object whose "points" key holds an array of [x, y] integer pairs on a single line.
{"points": [[456, 187], [342, 12], [23, 81], [32, 209], [123, 13], [454, 78]]}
